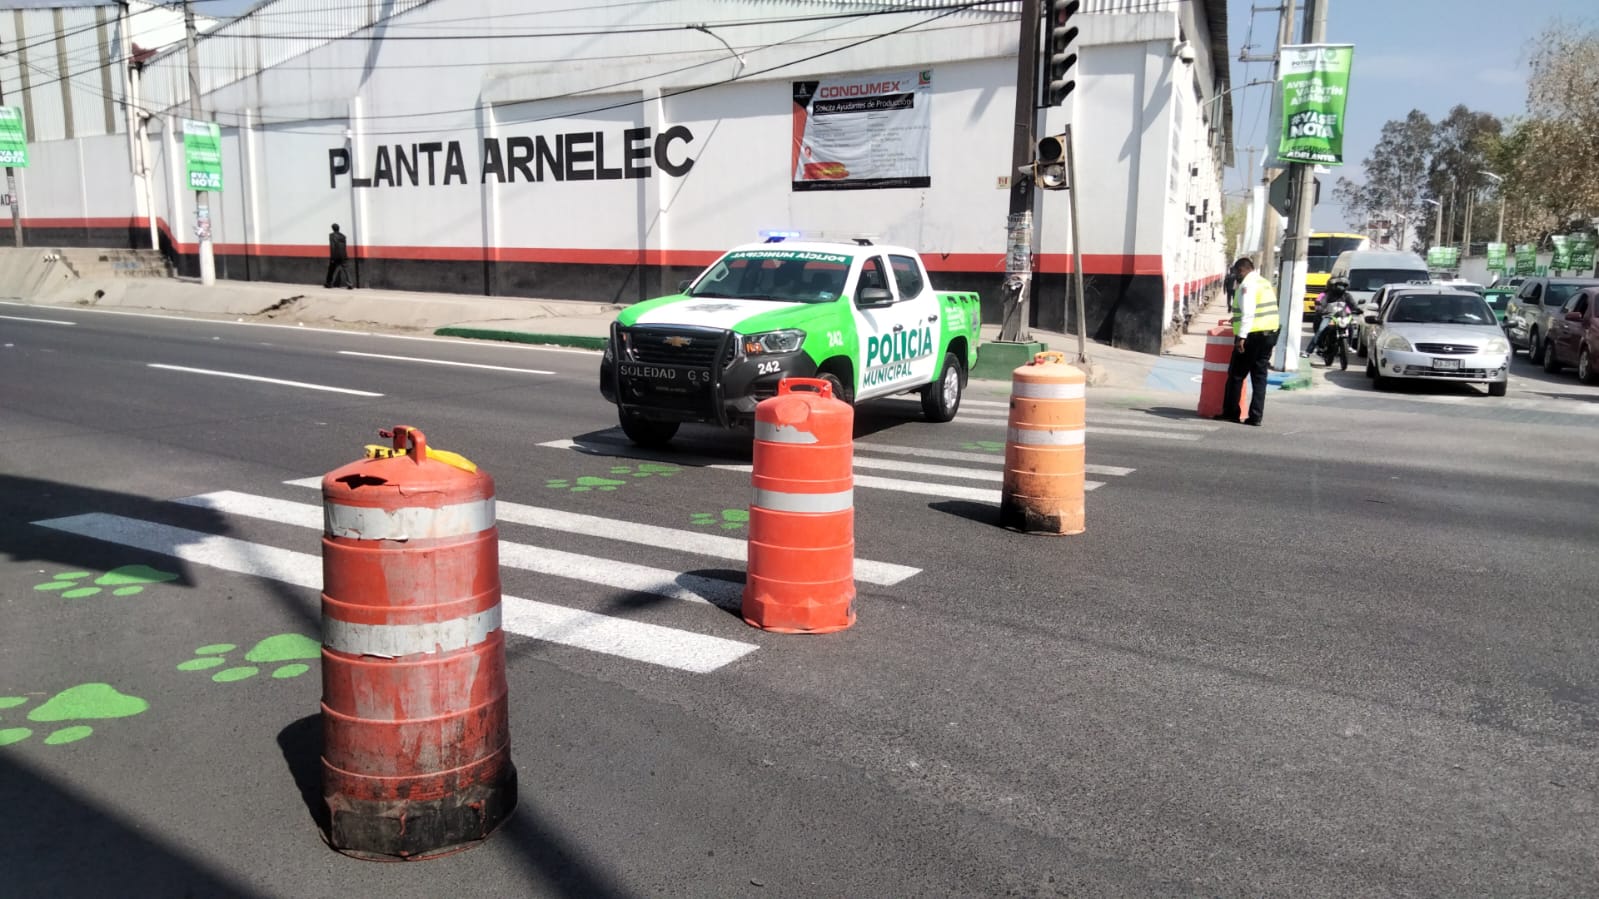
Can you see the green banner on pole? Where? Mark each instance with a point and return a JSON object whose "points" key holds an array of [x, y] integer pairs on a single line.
{"points": [[202, 154], [1526, 258], [1443, 257], [13, 138], [1562, 260], [1314, 88], [1582, 252], [1496, 257]]}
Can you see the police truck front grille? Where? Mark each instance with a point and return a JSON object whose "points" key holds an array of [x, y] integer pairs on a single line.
{"points": [[677, 346], [1447, 349]]}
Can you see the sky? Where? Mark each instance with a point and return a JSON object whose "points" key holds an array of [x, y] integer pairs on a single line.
{"points": [[1409, 54]]}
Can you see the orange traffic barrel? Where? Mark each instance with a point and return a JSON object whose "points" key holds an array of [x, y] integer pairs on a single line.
{"points": [[416, 758], [1213, 379], [1044, 452], [801, 574]]}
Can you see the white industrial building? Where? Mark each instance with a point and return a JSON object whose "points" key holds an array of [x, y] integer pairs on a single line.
{"points": [[550, 149]]}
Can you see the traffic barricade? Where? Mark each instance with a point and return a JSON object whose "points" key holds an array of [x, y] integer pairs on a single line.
{"points": [[801, 573], [1044, 448], [416, 757], [1213, 380]]}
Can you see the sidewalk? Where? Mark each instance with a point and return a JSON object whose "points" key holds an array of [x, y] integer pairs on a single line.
{"points": [[572, 323]]}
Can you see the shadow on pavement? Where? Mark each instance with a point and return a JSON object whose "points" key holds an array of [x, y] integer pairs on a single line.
{"points": [[982, 513], [58, 843], [301, 744]]}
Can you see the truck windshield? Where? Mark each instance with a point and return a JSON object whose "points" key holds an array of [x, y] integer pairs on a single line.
{"points": [[1364, 279], [784, 276]]}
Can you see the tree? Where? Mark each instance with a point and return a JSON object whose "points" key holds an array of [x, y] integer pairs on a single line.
{"points": [[1395, 174], [1460, 152]]}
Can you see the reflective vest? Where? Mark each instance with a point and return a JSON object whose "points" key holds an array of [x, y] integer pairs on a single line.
{"points": [[1256, 288]]}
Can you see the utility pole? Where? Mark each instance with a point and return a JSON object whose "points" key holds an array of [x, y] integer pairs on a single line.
{"points": [[202, 207], [1268, 228], [11, 190], [1301, 204], [1019, 224]]}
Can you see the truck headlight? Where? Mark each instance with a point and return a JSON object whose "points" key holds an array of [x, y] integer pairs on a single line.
{"points": [[1396, 343], [1497, 345], [772, 342]]}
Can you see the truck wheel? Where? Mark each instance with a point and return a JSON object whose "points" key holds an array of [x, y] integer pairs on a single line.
{"points": [[840, 392], [942, 398], [644, 432]]}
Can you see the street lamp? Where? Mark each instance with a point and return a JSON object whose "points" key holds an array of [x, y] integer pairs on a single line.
{"points": [[1498, 186], [1438, 223]]}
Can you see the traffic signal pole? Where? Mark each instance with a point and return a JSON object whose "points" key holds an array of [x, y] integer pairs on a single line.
{"points": [[1019, 223], [1296, 246]]}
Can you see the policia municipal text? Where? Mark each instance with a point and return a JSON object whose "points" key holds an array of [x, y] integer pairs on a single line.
{"points": [[1255, 325]]}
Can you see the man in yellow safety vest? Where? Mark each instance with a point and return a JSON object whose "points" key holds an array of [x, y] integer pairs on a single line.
{"points": [[1255, 328]]}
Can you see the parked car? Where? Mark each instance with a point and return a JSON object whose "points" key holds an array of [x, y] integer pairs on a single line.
{"points": [[1573, 336], [1366, 329], [1498, 299], [1438, 336], [1536, 303]]}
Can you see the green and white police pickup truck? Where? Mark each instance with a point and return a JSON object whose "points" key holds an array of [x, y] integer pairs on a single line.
{"points": [[863, 317]]}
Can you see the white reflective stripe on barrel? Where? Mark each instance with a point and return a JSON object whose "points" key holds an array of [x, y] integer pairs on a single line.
{"points": [[415, 523], [778, 501], [1029, 437], [1215, 366], [392, 641], [1034, 390], [1218, 340], [773, 432]]}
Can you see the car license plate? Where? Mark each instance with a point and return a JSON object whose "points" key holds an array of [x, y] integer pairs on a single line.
{"points": [[669, 375], [1446, 364]]}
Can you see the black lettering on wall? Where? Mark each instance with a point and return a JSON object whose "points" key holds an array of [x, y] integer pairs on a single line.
{"points": [[382, 169], [492, 163], [338, 164], [521, 150], [404, 164], [663, 146], [555, 158], [576, 157], [635, 147], [600, 171], [454, 164], [430, 148]]}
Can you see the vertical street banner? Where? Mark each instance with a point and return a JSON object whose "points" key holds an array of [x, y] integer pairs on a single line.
{"points": [[13, 138], [1443, 258], [1562, 256], [1312, 92], [1582, 252], [1526, 258], [1496, 256], [863, 132], [202, 154]]}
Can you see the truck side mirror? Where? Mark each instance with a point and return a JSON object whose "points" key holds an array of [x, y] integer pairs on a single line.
{"points": [[874, 298]]}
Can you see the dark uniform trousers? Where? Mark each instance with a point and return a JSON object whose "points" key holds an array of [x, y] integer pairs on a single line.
{"points": [[1253, 362]]}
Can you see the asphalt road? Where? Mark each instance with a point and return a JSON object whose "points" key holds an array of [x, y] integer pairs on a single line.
{"points": [[1349, 653]]}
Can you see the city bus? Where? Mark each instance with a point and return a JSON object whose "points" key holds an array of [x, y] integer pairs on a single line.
{"points": [[1325, 247]]}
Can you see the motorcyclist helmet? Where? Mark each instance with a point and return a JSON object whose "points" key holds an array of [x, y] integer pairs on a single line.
{"points": [[1338, 285]]}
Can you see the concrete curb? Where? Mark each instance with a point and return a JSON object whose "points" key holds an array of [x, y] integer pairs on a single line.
{"points": [[569, 340]]}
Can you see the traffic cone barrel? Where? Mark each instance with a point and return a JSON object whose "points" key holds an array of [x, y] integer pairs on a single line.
{"points": [[416, 757], [1044, 452], [801, 573], [1213, 380]]}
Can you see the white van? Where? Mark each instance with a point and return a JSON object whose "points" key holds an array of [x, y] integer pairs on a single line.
{"points": [[1367, 270]]}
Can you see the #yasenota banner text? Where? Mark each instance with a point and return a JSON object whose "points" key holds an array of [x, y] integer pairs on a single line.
{"points": [[1313, 93]]}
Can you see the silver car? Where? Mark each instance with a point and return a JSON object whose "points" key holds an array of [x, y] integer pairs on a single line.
{"points": [[1438, 337]]}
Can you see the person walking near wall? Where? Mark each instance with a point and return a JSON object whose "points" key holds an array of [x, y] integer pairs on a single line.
{"points": [[1255, 328], [337, 255]]}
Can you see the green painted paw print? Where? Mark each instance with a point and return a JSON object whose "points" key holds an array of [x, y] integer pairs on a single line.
{"points": [[584, 484], [729, 519], [645, 470], [987, 446], [125, 581], [291, 648], [85, 702]]}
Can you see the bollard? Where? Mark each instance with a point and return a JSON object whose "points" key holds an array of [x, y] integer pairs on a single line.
{"points": [[1213, 381], [801, 574], [416, 757], [1044, 452]]}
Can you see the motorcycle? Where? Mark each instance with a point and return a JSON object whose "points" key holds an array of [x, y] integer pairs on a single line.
{"points": [[1339, 335]]}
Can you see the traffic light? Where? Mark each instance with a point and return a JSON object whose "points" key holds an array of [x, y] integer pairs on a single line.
{"points": [[1061, 57], [1049, 163]]}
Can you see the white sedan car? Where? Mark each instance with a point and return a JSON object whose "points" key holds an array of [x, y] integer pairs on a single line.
{"points": [[1442, 336]]}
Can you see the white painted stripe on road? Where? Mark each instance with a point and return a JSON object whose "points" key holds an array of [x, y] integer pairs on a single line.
{"points": [[1100, 431], [278, 381], [1113, 471], [450, 362], [37, 321], [771, 432], [1048, 391], [946, 490], [947, 471], [1134, 417], [414, 523], [986, 403], [650, 643], [783, 501], [884, 573], [391, 641], [1045, 437]]}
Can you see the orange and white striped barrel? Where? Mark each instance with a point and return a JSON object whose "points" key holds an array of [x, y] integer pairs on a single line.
{"points": [[1213, 380], [1044, 450], [801, 573], [416, 759]]}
